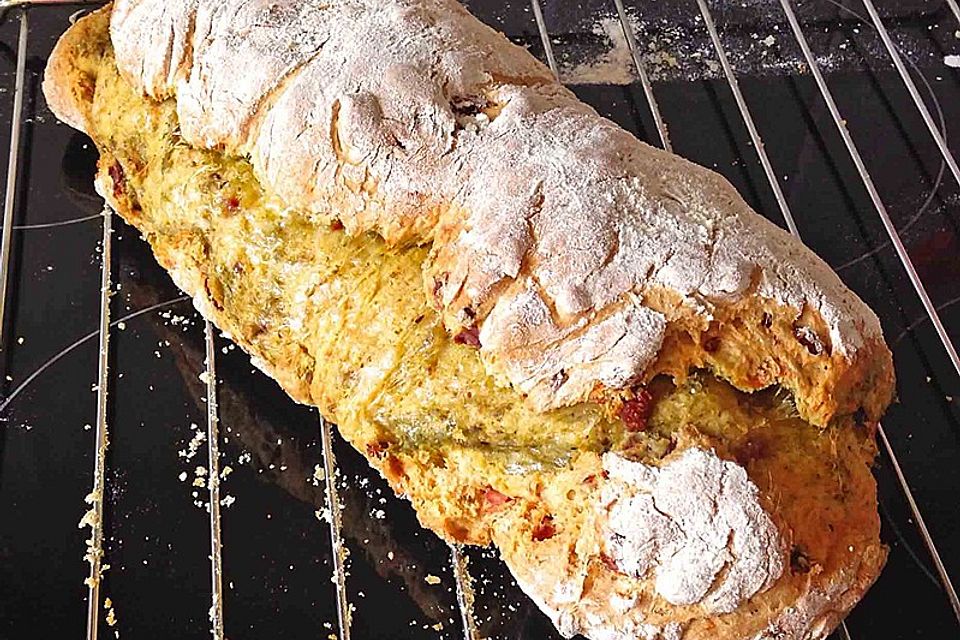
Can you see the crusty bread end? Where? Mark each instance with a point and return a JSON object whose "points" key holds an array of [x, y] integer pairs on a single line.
{"points": [[774, 522], [69, 78]]}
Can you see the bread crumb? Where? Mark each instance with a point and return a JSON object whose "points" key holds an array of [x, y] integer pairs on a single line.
{"points": [[194, 445], [88, 519], [613, 66], [952, 61], [204, 377], [182, 476], [432, 579]]}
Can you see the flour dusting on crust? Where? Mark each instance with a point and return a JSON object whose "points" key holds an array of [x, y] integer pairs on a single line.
{"points": [[609, 566], [411, 119], [689, 533], [696, 524]]}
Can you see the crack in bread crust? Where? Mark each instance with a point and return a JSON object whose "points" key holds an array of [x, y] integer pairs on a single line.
{"points": [[544, 205], [342, 322]]}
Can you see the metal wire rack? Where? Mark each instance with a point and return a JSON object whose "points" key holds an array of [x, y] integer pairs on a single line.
{"points": [[458, 559]]}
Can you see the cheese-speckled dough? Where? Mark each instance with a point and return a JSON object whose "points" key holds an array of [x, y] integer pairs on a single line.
{"points": [[574, 250], [682, 509]]}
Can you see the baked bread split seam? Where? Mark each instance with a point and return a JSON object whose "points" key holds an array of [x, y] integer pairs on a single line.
{"points": [[546, 334]]}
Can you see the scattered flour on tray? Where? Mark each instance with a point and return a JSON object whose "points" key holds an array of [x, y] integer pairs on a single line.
{"points": [[673, 50], [615, 66]]}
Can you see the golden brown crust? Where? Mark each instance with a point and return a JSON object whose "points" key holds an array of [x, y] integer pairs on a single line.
{"points": [[548, 520], [571, 250], [756, 343], [70, 76]]}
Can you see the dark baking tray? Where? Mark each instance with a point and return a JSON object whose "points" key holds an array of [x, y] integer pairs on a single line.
{"points": [[276, 555]]}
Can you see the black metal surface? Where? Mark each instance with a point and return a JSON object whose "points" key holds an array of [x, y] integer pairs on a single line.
{"points": [[277, 563]]}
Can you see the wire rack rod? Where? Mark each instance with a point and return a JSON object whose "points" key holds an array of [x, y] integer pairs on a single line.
{"points": [[94, 517], [881, 209], [213, 485], [911, 86], [334, 509], [843, 631], [955, 8], [465, 595], [13, 158], [922, 526], [747, 118], [891, 229], [545, 37], [644, 78]]}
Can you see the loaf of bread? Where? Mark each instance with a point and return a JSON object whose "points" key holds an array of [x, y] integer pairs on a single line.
{"points": [[546, 334]]}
